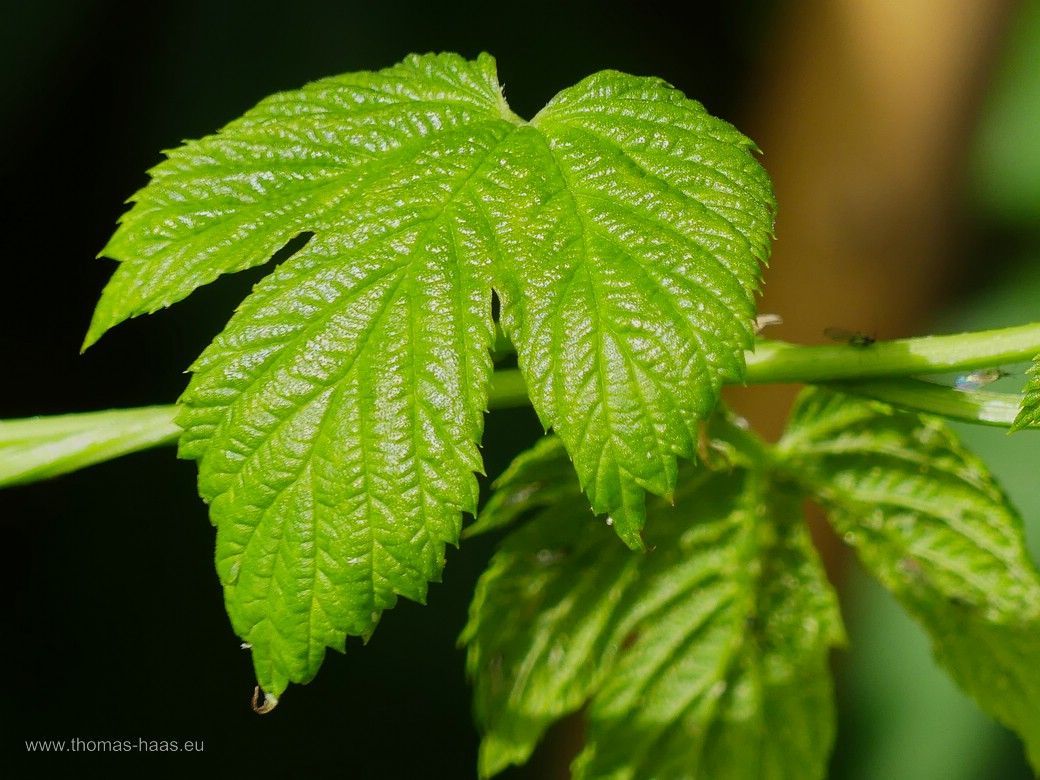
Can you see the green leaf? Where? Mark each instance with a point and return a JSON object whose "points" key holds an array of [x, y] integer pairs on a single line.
{"points": [[929, 522], [537, 478], [704, 657], [1029, 414], [632, 256], [296, 162], [337, 418]]}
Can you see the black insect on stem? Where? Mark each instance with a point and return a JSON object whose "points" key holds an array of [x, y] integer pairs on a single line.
{"points": [[853, 338]]}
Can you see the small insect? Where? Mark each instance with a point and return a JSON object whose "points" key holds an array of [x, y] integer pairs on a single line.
{"points": [[979, 379], [853, 338]]}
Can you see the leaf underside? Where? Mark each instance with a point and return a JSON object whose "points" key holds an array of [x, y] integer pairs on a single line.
{"points": [[730, 599], [337, 417], [929, 522], [704, 657]]}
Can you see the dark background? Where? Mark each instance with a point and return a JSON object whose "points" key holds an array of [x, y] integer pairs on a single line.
{"points": [[113, 625]]}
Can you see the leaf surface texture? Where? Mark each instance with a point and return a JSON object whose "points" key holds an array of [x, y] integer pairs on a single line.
{"points": [[337, 418], [705, 656], [928, 520]]}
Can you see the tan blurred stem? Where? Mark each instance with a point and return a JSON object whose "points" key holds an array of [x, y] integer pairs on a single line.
{"points": [[865, 116]]}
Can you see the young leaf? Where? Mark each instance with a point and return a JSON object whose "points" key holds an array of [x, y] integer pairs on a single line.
{"points": [[558, 577], [929, 522], [632, 263], [537, 478], [1029, 414], [704, 657], [296, 162], [336, 419]]}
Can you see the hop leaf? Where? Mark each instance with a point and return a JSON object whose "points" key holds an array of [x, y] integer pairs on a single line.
{"points": [[299, 161], [336, 419], [930, 523], [704, 657], [536, 479], [635, 255]]}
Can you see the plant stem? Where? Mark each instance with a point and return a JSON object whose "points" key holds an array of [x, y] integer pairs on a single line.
{"points": [[41, 447], [772, 362], [778, 361], [508, 390], [980, 407], [37, 448]]}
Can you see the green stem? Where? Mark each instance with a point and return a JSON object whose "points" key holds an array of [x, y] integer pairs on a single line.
{"points": [[41, 447], [37, 448], [778, 361], [980, 407], [508, 389], [772, 362]]}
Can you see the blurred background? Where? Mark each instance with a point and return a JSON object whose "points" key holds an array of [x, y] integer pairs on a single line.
{"points": [[904, 140]]}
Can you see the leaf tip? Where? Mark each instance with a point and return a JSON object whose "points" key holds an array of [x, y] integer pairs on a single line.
{"points": [[91, 338], [100, 323], [632, 537], [1020, 423]]}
